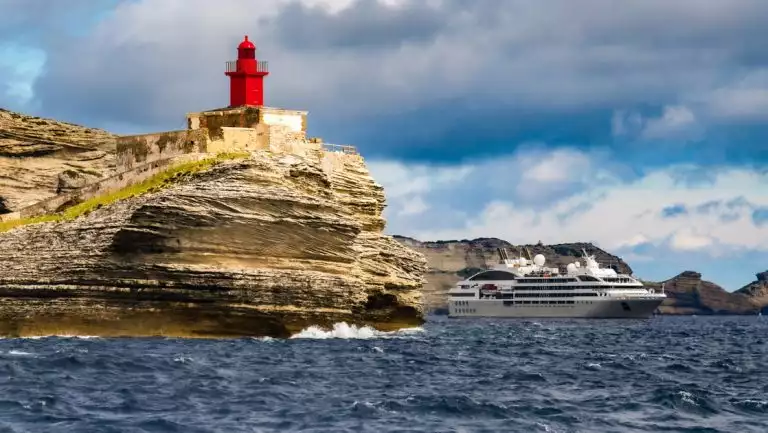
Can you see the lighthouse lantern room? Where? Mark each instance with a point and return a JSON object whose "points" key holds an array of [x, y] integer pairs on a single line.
{"points": [[246, 77]]}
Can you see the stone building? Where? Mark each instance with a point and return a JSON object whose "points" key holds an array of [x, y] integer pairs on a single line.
{"points": [[245, 125]]}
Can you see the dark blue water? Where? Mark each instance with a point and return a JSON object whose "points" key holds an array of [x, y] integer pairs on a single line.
{"points": [[664, 374]]}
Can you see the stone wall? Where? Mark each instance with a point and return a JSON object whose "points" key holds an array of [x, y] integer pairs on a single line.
{"points": [[246, 117], [105, 186], [238, 139], [284, 139], [295, 121], [134, 150]]}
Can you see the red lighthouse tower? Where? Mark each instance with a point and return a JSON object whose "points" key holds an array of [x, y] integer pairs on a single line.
{"points": [[246, 77]]}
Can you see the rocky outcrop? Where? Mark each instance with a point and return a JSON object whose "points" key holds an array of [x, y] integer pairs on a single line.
{"points": [[41, 157], [450, 261], [757, 291], [688, 294], [261, 246]]}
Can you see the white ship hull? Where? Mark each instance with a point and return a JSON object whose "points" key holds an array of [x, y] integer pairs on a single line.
{"points": [[604, 308]]}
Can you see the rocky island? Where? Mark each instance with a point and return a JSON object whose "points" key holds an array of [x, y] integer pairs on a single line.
{"points": [[238, 225], [260, 245], [452, 260]]}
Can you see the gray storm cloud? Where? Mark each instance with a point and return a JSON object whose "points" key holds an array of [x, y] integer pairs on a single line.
{"points": [[499, 64]]}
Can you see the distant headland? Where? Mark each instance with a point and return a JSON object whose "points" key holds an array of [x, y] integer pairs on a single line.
{"points": [[451, 260]]}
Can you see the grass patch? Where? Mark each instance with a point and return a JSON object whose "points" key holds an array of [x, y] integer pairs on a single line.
{"points": [[154, 183]]}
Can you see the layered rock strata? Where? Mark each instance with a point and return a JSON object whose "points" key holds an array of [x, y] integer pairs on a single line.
{"points": [[263, 246], [40, 158], [688, 294], [757, 291]]}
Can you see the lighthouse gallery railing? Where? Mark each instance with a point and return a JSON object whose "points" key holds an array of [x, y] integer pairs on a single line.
{"points": [[261, 66]]}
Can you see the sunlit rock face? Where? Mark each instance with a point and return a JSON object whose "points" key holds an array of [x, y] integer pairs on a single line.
{"points": [[40, 158], [687, 293], [757, 291], [261, 246]]}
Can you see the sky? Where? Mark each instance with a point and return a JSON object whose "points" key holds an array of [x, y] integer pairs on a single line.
{"points": [[640, 126]]}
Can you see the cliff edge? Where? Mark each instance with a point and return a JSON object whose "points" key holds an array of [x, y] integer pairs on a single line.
{"points": [[262, 246], [757, 291], [688, 294], [40, 158]]}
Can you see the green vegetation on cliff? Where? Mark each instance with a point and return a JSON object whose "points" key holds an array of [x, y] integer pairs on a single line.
{"points": [[156, 182]]}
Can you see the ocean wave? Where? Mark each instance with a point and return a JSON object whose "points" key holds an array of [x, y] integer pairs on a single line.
{"points": [[450, 376], [343, 330], [43, 337]]}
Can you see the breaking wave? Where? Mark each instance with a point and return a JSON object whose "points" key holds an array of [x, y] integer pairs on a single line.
{"points": [[345, 331]]}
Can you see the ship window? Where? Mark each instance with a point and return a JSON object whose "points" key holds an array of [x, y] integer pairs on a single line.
{"points": [[493, 275], [587, 278]]}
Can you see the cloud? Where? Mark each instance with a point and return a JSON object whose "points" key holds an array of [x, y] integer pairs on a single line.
{"points": [[413, 206], [744, 100], [19, 68], [619, 214], [557, 120], [760, 216], [707, 227], [686, 240], [675, 122], [442, 80], [674, 210]]}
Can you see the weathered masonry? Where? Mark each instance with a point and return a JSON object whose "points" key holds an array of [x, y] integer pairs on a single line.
{"points": [[245, 125]]}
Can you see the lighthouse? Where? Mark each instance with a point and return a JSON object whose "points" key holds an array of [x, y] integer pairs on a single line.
{"points": [[246, 77]]}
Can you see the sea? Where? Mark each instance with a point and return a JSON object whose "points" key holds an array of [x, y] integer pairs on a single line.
{"points": [[664, 374]]}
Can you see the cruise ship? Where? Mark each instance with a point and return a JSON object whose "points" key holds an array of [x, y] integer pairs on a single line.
{"points": [[526, 288]]}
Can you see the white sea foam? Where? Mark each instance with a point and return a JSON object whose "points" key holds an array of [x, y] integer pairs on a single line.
{"points": [[345, 331], [182, 359], [20, 353], [40, 337], [686, 397]]}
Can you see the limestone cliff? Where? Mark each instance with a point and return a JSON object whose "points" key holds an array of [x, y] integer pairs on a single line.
{"points": [[757, 291], [260, 246], [450, 261], [41, 157], [688, 294]]}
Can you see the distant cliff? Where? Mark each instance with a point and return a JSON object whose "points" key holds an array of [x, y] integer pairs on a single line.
{"points": [[265, 245], [450, 261], [688, 294], [758, 291], [40, 158]]}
